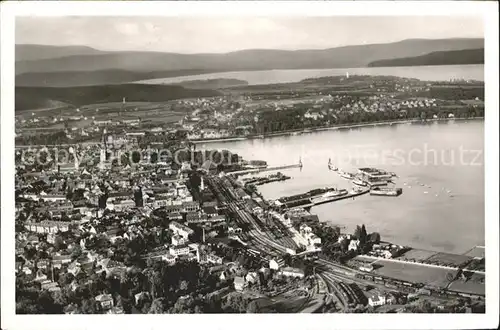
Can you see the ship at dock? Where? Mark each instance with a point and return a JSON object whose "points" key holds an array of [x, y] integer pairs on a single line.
{"points": [[301, 199], [374, 177], [346, 175], [359, 182], [328, 196], [374, 174], [384, 191]]}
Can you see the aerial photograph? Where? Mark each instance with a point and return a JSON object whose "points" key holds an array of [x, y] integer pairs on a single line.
{"points": [[190, 165]]}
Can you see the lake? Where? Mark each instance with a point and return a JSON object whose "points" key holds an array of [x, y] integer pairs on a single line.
{"points": [[431, 73], [439, 164]]}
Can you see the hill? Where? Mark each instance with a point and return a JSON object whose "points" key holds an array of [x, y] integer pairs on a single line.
{"points": [[212, 83], [28, 98], [28, 52], [89, 78], [256, 59], [455, 57]]}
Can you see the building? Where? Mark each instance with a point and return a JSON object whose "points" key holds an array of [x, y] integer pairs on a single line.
{"points": [[376, 299], [48, 227], [105, 301], [180, 229], [52, 197], [276, 264], [178, 240], [292, 272], [190, 206], [239, 283], [179, 250], [210, 211], [353, 245], [211, 258]]}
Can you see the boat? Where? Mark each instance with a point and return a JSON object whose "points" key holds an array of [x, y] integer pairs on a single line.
{"points": [[346, 175], [378, 183], [378, 191], [359, 182], [328, 196], [331, 167]]}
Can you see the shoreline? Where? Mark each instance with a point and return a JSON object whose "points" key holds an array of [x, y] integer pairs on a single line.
{"points": [[333, 127]]}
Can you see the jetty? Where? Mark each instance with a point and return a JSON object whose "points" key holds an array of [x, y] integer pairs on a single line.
{"points": [[351, 194], [267, 179], [305, 200], [265, 169]]}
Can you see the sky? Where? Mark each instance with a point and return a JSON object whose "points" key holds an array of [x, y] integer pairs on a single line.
{"points": [[218, 35]]}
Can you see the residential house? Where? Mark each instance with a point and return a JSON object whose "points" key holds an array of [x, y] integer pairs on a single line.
{"points": [[105, 301], [141, 296], [276, 264], [48, 227], [239, 283], [353, 245], [376, 298], [59, 260], [252, 277]]}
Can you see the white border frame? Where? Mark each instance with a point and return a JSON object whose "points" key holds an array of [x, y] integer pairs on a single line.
{"points": [[488, 10]]}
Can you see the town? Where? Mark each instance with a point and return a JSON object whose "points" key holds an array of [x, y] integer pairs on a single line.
{"points": [[118, 211], [258, 111]]}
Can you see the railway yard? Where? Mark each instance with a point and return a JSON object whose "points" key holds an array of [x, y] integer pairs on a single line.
{"points": [[342, 287]]}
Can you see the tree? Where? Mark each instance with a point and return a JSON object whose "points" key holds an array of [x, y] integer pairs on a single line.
{"points": [[89, 306], [374, 238], [357, 232], [59, 243], [157, 306]]}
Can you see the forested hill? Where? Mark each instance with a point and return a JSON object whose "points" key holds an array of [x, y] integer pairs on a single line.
{"points": [[455, 57], [43, 97]]}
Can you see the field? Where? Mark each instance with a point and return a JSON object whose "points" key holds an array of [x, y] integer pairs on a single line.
{"points": [[473, 285], [448, 259], [410, 272], [476, 252], [417, 255]]}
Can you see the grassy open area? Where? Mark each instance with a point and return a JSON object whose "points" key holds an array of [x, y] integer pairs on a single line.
{"points": [[448, 259], [476, 252], [410, 272], [416, 255], [475, 284]]}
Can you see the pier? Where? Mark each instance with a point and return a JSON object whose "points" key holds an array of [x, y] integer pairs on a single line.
{"points": [[265, 169], [348, 195], [308, 205]]}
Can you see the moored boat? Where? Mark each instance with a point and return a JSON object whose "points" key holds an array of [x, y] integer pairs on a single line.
{"points": [[359, 182], [329, 195], [378, 191], [331, 167], [346, 175]]}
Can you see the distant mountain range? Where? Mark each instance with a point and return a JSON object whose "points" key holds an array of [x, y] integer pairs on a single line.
{"points": [[453, 57], [39, 65]]}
